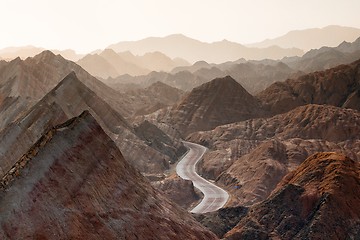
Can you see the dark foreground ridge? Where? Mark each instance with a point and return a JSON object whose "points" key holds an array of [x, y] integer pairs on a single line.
{"points": [[75, 184]]}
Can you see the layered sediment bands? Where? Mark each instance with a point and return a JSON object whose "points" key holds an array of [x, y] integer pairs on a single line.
{"points": [[336, 86], [178, 190], [317, 200], [215, 103], [249, 158], [77, 185]]}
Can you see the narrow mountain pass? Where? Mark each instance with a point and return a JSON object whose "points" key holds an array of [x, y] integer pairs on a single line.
{"points": [[214, 196]]}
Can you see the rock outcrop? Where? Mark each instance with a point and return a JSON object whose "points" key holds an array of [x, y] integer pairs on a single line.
{"points": [[316, 201], [179, 190]]}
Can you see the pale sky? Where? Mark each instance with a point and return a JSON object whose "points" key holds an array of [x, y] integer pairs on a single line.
{"points": [[86, 25]]}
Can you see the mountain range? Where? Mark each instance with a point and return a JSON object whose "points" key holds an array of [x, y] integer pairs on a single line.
{"points": [[111, 64], [95, 157], [313, 38], [192, 50], [24, 52]]}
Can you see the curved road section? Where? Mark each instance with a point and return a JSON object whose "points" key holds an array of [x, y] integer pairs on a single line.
{"points": [[214, 196]]}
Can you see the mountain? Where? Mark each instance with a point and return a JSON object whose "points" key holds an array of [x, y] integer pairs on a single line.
{"points": [[158, 95], [215, 103], [249, 158], [98, 66], [192, 50], [317, 200], [11, 53], [254, 76], [325, 57], [157, 61], [30, 79], [68, 99], [338, 86], [108, 63], [330, 36], [74, 183]]}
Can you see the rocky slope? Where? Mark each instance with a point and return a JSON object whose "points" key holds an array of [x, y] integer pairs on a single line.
{"points": [[218, 102], [315, 201], [339, 86], [158, 95], [326, 57], [179, 190], [33, 78], [249, 158], [74, 183], [68, 99]]}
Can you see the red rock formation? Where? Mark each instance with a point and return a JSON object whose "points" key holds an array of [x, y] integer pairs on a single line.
{"points": [[249, 158], [179, 190], [335, 86], [76, 184], [316, 201]]}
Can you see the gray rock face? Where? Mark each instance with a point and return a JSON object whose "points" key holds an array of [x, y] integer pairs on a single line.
{"points": [[68, 99]]}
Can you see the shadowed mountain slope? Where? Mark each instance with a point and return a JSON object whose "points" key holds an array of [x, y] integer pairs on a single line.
{"points": [[33, 78], [68, 99], [74, 183]]}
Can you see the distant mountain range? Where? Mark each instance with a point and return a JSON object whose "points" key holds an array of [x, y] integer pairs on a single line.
{"points": [[192, 50], [30, 51], [178, 48], [108, 63], [330, 36]]}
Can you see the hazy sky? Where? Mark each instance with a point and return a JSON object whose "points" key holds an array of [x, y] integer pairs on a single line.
{"points": [[86, 25]]}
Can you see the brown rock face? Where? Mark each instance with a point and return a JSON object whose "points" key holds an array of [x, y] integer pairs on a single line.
{"points": [[249, 158], [316, 201], [218, 102], [178, 190], [75, 184], [336, 86]]}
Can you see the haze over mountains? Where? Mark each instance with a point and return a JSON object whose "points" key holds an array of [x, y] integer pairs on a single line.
{"points": [[193, 50], [88, 149], [307, 39]]}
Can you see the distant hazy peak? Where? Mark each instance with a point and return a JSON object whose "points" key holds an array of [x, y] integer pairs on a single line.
{"points": [[312, 38]]}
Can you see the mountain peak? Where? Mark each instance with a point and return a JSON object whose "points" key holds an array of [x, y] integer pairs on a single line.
{"points": [[220, 101], [44, 55], [72, 175]]}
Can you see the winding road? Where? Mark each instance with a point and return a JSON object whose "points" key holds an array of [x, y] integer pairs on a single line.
{"points": [[214, 196]]}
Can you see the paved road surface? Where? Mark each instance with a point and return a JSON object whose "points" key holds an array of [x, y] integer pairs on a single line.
{"points": [[214, 196]]}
